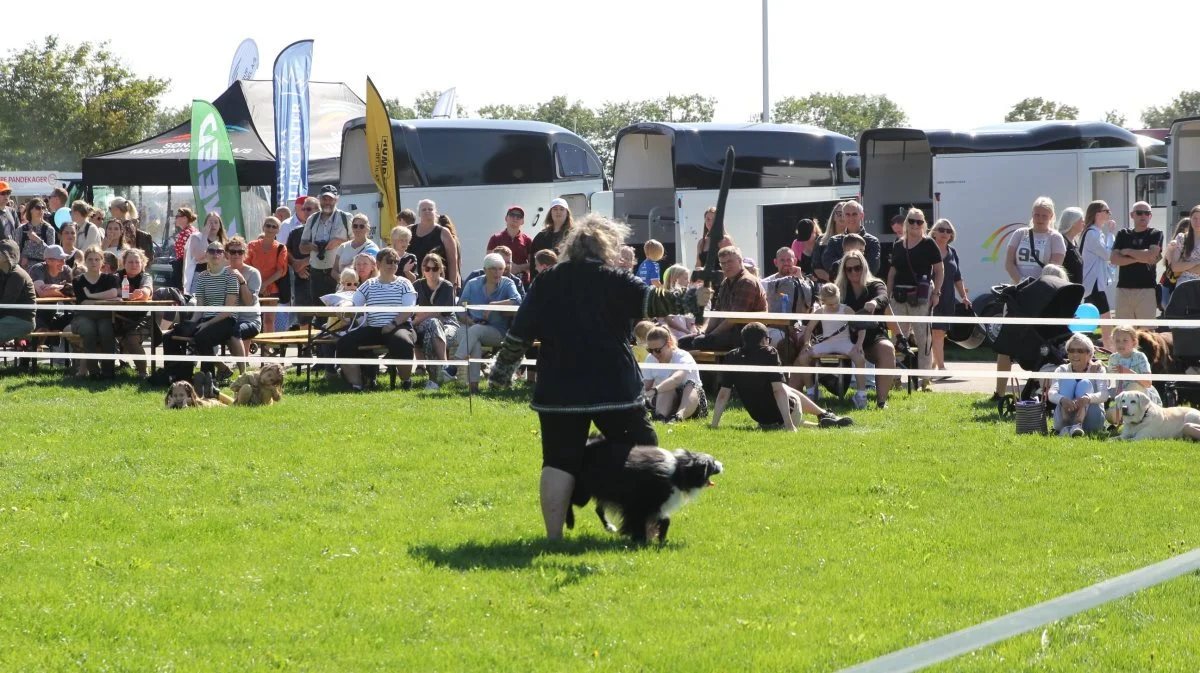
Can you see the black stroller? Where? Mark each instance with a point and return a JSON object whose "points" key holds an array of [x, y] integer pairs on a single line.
{"points": [[1035, 347], [1184, 305]]}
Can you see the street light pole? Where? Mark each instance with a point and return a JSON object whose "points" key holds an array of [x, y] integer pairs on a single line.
{"points": [[766, 109]]}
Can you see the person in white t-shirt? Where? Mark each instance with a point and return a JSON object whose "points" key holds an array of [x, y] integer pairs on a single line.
{"points": [[674, 394], [1033, 247]]}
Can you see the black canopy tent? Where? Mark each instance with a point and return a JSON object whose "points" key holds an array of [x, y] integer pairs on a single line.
{"points": [[249, 113]]}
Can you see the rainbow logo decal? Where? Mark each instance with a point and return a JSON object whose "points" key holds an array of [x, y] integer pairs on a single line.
{"points": [[997, 239]]}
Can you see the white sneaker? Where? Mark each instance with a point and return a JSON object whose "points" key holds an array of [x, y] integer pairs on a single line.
{"points": [[1065, 431], [431, 385], [1077, 431], [860, 400]]}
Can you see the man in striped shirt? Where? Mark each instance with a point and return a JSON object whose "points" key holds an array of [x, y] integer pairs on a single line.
{"points": [[215, 287]]}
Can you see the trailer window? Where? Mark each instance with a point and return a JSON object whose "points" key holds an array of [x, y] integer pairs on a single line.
{"points": [[575, 162], [764, 159], [460, 158]]}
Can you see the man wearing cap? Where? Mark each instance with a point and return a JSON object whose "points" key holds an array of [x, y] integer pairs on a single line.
{"points": [[290, 221], [324, 231], [51, 277], [515, 240], [8, 216], [15, 288]]}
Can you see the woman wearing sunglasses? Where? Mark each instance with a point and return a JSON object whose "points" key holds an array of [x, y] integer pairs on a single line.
{"points": [[943, 236], [270, 257], [1079, 402], [436, 332], [915, 284], [867, 295]]}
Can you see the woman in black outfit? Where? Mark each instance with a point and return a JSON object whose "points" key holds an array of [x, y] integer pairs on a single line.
{"points": [[558, 225], [915, 283], [583, 311], [868, 295]]}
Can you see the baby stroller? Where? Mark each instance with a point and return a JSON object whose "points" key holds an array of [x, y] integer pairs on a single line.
{"points": [[1184, 305], [1035, 347]]}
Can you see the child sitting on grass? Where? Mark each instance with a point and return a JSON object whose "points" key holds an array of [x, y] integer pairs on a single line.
{"points": [[1128, 360], [834, 340]]}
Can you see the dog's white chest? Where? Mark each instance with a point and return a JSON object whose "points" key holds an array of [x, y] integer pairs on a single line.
{"points": [[677, 500]]}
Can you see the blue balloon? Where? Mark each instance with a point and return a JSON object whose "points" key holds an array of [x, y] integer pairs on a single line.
{"points": [[1085, 312], [62, 216]]}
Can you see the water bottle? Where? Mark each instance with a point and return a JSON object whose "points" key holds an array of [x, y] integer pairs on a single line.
{"points": [[785, 303], [125, 288]]}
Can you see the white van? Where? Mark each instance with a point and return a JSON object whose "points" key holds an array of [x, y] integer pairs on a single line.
{"points": [[474, 169], [666, 175], [1183, 158], [985, 180]]}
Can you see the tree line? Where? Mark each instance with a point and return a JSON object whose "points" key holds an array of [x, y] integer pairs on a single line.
{"points": [[62, 102]]}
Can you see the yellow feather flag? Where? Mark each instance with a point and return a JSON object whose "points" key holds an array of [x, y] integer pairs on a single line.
{"points": [[380, 154]]}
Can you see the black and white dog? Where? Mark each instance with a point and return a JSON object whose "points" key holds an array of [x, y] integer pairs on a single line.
{"points": [[644, 484]]}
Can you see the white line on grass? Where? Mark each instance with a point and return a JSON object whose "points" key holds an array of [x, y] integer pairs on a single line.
{"points": [[981, 635]]}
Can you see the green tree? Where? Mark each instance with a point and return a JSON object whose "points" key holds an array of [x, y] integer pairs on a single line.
{"points": [[1038, 109], [60, 103], [1115, 117], [848, 114], [421, 108], [1186, 104], [170, 117]]}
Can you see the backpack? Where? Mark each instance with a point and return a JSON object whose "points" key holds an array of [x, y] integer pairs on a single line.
{"points": [[789, 295], [1072, 260]]}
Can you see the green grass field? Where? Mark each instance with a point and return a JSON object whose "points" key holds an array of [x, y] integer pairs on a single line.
{"points": [[400, 531]]}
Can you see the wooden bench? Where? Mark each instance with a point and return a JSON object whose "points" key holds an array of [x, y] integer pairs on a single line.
{"points": [[35, 340], [708, 357]]}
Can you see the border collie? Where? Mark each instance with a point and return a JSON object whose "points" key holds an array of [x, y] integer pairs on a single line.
{"points": [[644, 484]]}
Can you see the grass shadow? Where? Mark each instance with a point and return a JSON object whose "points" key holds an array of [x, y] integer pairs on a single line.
{"points": [[521, 553]]}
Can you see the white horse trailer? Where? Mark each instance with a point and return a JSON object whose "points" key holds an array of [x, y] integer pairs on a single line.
{"points": [[666, 175], [474, 169], [1183, 158], [985, 180]]}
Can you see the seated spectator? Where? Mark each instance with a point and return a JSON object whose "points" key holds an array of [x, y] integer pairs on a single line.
{"points": [[214, 288], [1079, 401], [678, 277], [484, 328], [648, 270], [381, 328], [739, 291], [367, 267], [131, 328], [641, 332], [867, 295], [247, 325], [95, 328], [15, 288], [71, 245], [348, 280], [52, 278], [401, 237], [436, 332], [673, 395], [359, 244], [764, 395], [1128, 359], [112, 263], [834, 340], [544, 259], [506, 254]]}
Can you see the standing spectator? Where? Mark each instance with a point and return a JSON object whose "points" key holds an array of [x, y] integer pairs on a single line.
{"points": [[381, 327], [852, 216], [213, 288], [15, 288], [283, 213], [739, 291], [437, 332], [270, 258], [943, 236], [8, 217], [95, 233], [304, 209], [785, 264], [198, 245], [558, 224], [401, 237], [185, 221], [1183, 252], [136, 238], [360, 242], [69, 237], [583, 311], [34, 235], [87, 234], [770, 402], [114, 238], [298, 273], [246, 325], [516, 240], [95, 328], [915, 283], [1095, 263], [480, 327], [885, 248], [648, 270], [710, 215], [808, 234], [834, 226], [132, 328], [627, 261], [406, 217], [56, 201], [1030, 248], [448, 224], [1136, 253], [429, 236], [324, 232]]}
